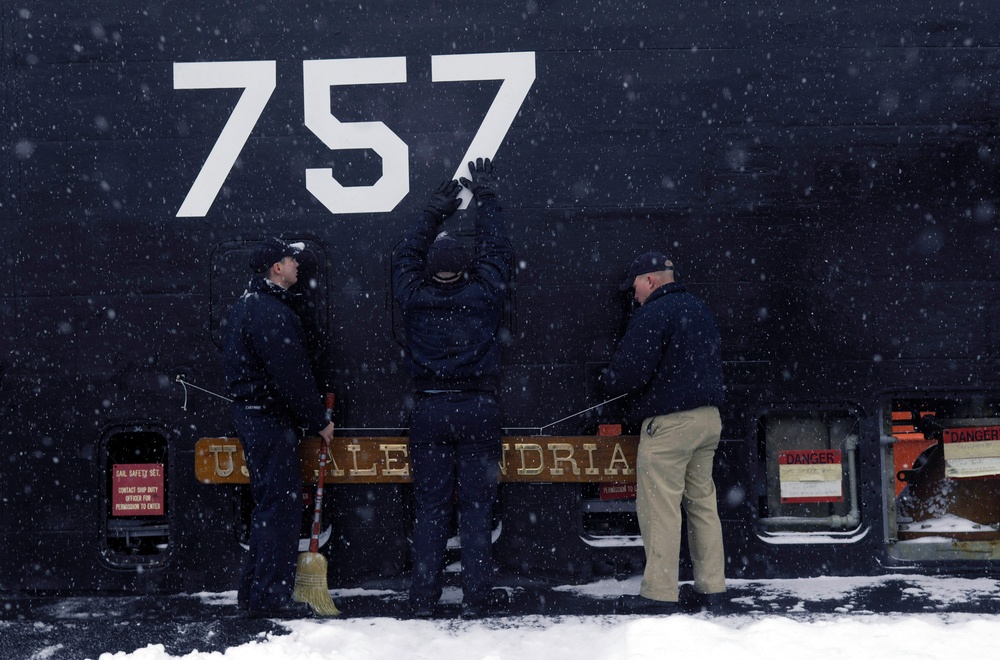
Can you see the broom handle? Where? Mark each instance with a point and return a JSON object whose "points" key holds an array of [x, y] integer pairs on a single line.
{"points": [[323, 452]]}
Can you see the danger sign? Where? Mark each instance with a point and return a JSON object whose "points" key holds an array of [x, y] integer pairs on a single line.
{"points": [[812, 475], [137, 489], [971, 452]]}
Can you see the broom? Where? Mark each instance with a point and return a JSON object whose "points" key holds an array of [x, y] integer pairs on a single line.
{"points": [[310, 574]]}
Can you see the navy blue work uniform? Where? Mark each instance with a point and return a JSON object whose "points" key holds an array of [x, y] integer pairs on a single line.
{"points": [[453, 344], [274, 392], [670, 358]]}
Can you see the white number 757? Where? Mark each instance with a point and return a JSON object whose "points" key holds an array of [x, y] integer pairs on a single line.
{"points": [[257, 79]]}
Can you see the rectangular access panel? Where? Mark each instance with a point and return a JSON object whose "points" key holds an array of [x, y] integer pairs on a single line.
{"points": [[810, 470]]}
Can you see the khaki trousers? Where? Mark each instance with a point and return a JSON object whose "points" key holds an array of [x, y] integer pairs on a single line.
{"points": [[674, 467]]}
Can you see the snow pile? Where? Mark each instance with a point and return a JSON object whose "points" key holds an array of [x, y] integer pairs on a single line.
{"points": [[848, 632], [610, 638]]}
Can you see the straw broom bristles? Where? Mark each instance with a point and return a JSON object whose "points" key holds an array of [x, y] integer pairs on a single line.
{"points": [[310, 584]]}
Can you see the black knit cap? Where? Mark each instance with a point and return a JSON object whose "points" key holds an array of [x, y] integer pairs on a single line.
{"points": [[650, 262], [269, 252], [447, 255]]}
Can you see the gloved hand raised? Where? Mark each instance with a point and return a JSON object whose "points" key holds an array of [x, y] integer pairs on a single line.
{"points": [[444, 201], [483, 178]]}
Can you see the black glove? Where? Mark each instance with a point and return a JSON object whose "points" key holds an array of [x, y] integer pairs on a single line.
{"points": [[483, 178], [445, 200]]}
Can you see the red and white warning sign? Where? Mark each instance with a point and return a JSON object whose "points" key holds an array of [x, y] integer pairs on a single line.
{"points": [[811, 475], [137, 489], [618, 491], [971, 452]]}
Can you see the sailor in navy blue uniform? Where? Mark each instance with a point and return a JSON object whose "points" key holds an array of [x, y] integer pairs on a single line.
{"points": [[452, 304], [269, 378]]}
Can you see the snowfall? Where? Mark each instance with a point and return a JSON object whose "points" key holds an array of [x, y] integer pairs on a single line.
{"points": [[842, 632]]}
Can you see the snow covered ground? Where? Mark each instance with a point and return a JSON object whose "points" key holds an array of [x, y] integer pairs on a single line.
{"points": [[604, 637], [609, 637], [935, 617]]}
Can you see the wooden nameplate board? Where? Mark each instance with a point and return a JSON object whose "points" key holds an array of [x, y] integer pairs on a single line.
{"points": [[541, 459]]}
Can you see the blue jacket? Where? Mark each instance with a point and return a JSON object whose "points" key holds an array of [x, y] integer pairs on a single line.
{"points": [[670, 358], [265, 357], [453, 329]]}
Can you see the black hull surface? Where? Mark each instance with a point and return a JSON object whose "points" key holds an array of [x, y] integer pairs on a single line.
{"points": [[825, 177]]}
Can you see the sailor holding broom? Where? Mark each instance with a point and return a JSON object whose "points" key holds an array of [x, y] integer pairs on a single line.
{"points": [[268, 376]]}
